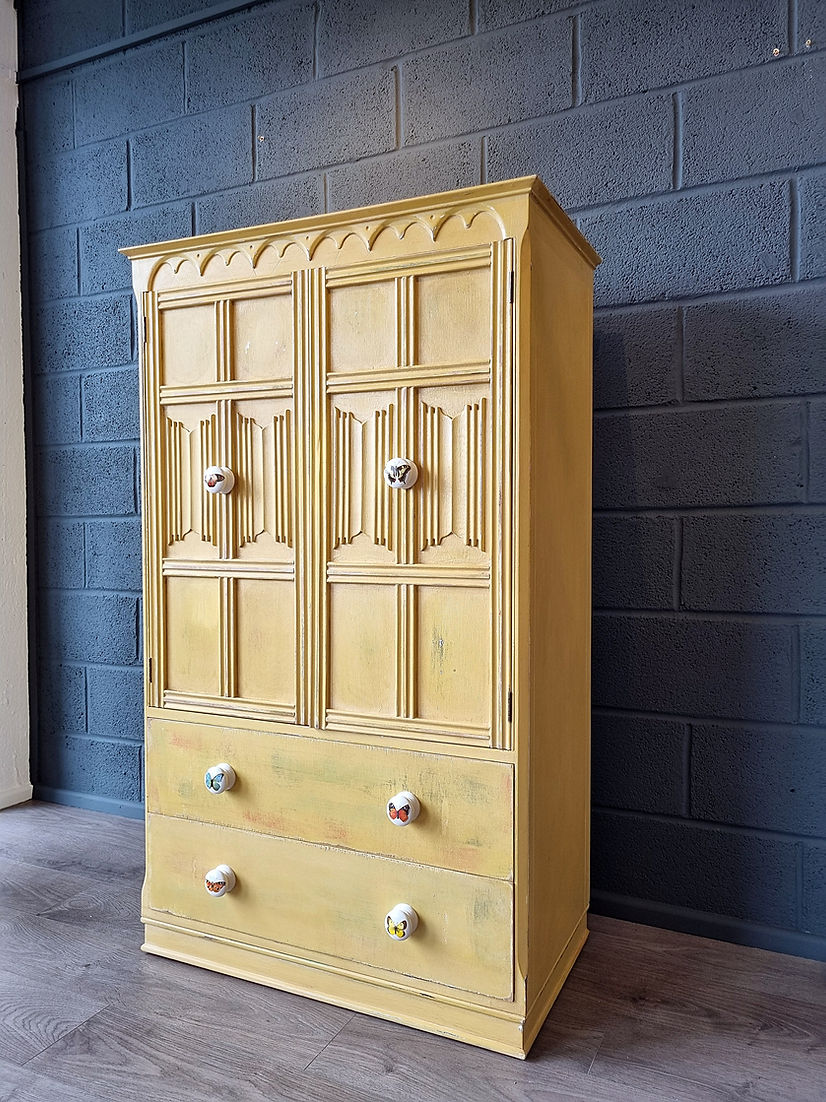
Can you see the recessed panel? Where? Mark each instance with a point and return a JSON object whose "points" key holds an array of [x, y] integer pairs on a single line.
{"points": [[363, 434], [264, 493], [188, 348], [453, 322], [363, 647], [262, 337], [362, 327], [453, 655], [192, 635], [189, 514], [265, 632], [455, 499]]}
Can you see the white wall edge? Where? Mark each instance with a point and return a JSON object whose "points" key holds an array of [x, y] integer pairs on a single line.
{"points": [[11, 796], [14, 674]]}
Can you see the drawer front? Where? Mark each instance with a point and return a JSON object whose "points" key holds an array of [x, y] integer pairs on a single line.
{"points": [[336, 794], [319, 900]]}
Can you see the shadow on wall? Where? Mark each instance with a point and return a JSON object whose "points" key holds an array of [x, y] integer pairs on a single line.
{"points": [[700, 778]]}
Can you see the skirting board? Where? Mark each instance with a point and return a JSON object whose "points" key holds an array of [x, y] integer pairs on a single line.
{"points": [[720, 927], [69, 798], [20, 794]]}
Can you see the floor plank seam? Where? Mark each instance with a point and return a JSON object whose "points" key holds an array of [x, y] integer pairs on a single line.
{"points": [[63, 1037], [598, 1050], [324, 1047]]}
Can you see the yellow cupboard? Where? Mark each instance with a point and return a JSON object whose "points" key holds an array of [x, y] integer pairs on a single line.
{"points": [[366, 464]]}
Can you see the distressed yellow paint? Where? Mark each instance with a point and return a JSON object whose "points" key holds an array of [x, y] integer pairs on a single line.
{"points": [[337, 641], [363, 645], [265, 640], [261, 337], [453, 632], [188, 346], [192, 622], [454, 312], [362, 326], [287, 891], [336, 794]]}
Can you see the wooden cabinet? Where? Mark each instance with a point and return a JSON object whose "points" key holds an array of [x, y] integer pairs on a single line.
{"points": [[390, 600]]}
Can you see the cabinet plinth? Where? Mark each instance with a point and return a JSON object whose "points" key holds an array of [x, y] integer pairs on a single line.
{"points": [[366, 479]]}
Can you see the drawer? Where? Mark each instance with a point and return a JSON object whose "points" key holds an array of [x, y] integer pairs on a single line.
{"points": [[320, 900], [336, 794]]}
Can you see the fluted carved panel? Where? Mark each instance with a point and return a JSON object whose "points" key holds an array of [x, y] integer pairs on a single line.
{"points": [[189, 509], [263, 499], [455, 462], [361, 502]]}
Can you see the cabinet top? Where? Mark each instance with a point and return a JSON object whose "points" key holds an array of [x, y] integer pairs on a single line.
{"points": [[504, 204]]}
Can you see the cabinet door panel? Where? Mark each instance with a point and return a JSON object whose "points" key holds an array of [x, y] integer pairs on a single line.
{"points": [[363, 647], [363, 523], [192, 635], [188, 345], [265, 656], [263, 495], [453, 655], [189, 513], [261, 337], [362, 326], [453, 503], [453, 317]]}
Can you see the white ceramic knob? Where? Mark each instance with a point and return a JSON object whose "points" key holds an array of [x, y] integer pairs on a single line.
{"points": [[219, 778], [403, 808], [219, 881], [401, 921], [218, 480], [400, 474]]}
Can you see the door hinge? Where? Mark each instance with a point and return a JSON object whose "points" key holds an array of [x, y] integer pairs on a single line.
{"points": [[510, 706], [149, 669], [511, 278]]}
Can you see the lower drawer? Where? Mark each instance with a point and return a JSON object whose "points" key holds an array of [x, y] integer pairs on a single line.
{"points": [[319, 900]]}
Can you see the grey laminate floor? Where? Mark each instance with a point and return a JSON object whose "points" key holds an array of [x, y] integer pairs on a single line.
{"points": [[646, 1016]]}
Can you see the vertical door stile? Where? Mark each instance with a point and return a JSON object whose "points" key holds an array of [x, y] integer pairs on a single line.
{"points": [[155, 495], [301, 459], [318, 513], [228, 451], [501, 443], [405, 517]]}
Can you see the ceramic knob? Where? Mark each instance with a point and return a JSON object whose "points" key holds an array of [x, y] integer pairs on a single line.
{"points": [[403, 808], [218, 480], [219, 778], [401, 922], [219, 881], [400, 474]]}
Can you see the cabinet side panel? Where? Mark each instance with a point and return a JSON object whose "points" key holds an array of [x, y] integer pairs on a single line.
{"points": [[560, 472]]}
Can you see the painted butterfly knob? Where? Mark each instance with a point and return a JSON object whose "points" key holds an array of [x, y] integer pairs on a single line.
{"points": [[401, 922], [218, 480], [400, 474], [219, 778], [219, 881], [403, 808]]}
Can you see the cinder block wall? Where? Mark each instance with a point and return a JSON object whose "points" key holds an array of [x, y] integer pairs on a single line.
{"points": [[687, 139]]}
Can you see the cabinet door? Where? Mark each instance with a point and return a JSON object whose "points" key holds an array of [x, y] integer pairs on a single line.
{"points": [[227, 618], [418, 367]]}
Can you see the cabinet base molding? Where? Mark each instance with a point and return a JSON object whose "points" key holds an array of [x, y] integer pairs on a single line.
{"points": [[508, 1033]]}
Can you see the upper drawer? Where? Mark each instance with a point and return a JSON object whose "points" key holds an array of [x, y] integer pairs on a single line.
{"points": [[336, 794]]}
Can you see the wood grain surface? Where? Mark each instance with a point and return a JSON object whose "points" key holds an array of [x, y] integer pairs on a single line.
{"points": [[647, 1015]]}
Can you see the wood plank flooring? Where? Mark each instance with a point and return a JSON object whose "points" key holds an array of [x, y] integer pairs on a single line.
{"points": [[646, 1016]]}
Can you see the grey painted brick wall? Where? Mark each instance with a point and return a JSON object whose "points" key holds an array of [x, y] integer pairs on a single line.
{"points": [[687, 140]]}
